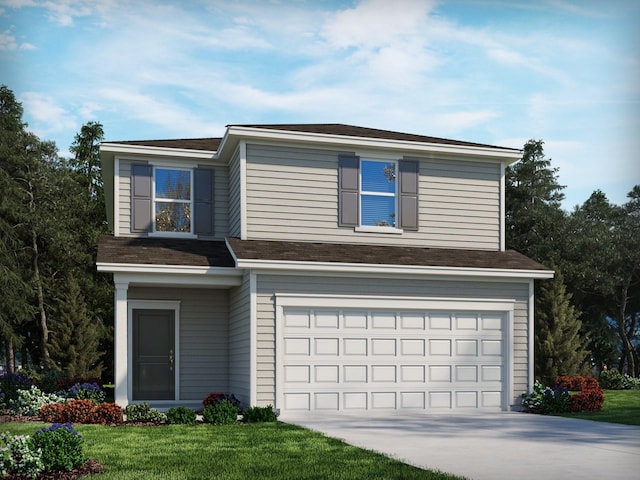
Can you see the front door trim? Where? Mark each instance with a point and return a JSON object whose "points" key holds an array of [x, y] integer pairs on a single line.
{"points": [[153, 305]]}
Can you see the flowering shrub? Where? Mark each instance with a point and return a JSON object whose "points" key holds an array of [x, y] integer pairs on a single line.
{"points": [[546, 400], [614, 380], [107, 414], [10, 384], [88, 391], [30, 401], [79, 411], [142, 412], [61, 447], [66, 383], [52, 412], [19, 456], [587, 400], [577, 382], [218, 397]]}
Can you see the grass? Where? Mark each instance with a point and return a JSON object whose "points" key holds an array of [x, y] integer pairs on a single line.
{"points": [[620, 406], [256, 451]]}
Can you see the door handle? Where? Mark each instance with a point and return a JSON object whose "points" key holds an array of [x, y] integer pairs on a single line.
{"points": [[171, 359]]}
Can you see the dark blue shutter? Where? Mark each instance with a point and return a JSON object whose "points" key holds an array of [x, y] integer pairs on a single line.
{"points": [[141, 197], [408, 194], [203, 201], [348, 191]]}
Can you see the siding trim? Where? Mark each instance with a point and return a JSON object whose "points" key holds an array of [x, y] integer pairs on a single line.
{"points": [[253, 346], [243, 189], [530, 333], [116, 196], [503, 192]]}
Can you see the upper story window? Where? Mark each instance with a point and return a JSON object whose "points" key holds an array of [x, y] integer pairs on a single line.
{"points": [[378, 193], [172, 200]]}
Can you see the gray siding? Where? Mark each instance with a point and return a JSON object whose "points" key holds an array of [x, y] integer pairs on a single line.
{"points": [[234, 196], [204, 337], [221, 199], [269, 285], [239, 341], [292, 194]]}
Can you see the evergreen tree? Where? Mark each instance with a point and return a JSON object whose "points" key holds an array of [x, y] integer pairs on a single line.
{"points": [[533, 214], [74, 339], [559, 346]]}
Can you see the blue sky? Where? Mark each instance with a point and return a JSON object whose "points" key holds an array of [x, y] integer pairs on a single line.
{"points": [[489, 71]]}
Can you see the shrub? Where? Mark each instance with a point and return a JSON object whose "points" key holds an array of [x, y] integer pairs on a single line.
{"points": [[66, 383], [181, 415], [587, 400], [260, 414], [611, 380], [221, 413], [61, 447], [218, 397], [30, 401], [631, 383], [546, 400], [88, 391], [78, 411], [17, 456], [107, 414], [142, 412], [52, 413], [576, 383], [10, 384]]}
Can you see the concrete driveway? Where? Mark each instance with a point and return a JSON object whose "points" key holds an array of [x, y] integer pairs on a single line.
{"points": [[492, 446]]}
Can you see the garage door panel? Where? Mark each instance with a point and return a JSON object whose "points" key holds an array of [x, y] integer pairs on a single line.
{"points": [[336, 359]]}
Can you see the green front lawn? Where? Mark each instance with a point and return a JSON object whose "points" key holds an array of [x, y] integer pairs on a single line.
{"points": [[620, 406], [257, 451]]}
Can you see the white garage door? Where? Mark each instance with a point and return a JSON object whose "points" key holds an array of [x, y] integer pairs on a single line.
{"points": [[346, 359]]}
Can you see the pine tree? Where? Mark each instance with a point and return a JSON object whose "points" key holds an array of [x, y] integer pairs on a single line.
{"points": [[74, 337], [559, 345]]}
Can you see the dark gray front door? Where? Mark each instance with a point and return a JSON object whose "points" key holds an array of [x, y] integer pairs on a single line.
{"points": [[153, 354]]}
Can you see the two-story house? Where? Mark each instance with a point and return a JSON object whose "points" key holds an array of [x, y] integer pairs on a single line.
{"points": [[316, 267]]}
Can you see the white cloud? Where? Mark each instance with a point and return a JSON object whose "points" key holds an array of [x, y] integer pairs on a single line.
{"points": [[48, 116], [8, 42]]}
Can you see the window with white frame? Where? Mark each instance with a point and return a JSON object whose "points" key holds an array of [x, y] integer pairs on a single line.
{"points": [[378, 202], [172, 200]]}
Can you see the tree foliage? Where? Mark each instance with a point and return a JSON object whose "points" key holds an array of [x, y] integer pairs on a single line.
{"points": [[559, 345], [50, 220]]}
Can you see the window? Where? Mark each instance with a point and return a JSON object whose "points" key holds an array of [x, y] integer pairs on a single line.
{"points": [[172, 200], [378, 193]]}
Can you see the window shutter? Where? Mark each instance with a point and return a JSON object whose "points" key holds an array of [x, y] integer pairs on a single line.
{"points": [[141, 197], [408, 194], [348, 191], [203, 201]]}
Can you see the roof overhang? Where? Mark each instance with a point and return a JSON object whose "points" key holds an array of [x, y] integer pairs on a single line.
{"points": [[234, 134], [360, 269], [173, 275]]}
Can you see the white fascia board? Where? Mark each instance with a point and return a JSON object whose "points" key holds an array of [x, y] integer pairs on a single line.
{"points": [[510, 155], [172, 275], [147, 150], [360, 268]]}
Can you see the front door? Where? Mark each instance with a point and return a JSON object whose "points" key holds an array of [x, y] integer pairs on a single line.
{"points": [[153, 354]]}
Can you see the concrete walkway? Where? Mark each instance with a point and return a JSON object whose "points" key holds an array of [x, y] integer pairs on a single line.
{"points": [[492, 446]]}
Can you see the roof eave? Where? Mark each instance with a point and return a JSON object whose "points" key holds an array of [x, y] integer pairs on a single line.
{"points": [[235, 133], [362, 268]]}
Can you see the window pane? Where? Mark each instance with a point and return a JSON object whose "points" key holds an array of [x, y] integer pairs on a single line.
{"points": [[378, 211], [173, 217], [174, 184], [378, 177]]}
